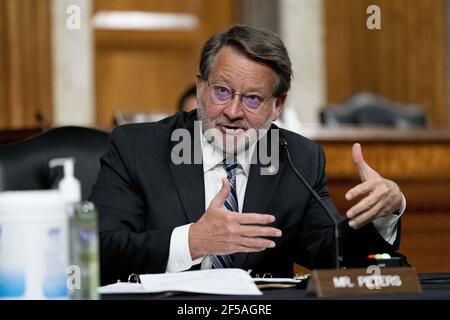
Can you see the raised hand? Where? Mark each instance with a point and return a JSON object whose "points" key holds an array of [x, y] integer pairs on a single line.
{"points": [[380, 196], [220, 231]]}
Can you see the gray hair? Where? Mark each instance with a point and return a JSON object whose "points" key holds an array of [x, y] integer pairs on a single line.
{"points": [[259, 45]]}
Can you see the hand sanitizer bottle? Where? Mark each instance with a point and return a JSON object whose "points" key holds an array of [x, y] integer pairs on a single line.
{"points": [[83, 279], [84, 252], [57, 243]]}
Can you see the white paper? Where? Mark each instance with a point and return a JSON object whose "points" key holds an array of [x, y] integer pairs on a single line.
{"points": [[121, 287], [213, 281], [277, 280]]}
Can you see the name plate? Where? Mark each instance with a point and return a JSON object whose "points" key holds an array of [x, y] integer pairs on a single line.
{"points": [[373, 280]]}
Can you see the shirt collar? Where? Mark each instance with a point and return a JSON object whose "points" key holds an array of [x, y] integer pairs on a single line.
{"points": [[213, 157]]}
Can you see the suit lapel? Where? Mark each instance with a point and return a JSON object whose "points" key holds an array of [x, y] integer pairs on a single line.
{"points": [[189, 179], [260, 189], [259, 192]]}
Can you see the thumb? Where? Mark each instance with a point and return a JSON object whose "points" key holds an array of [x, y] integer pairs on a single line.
{"points": [[219, 200], [364, 170]]}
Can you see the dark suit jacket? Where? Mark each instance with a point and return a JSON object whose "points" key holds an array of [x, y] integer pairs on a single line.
{"points": [[142, 196]]}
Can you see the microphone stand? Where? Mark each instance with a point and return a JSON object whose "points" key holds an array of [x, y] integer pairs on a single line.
{"points": [[331, 216]]}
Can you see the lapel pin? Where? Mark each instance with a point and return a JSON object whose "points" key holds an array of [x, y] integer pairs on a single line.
{"points": [[271, 169]]}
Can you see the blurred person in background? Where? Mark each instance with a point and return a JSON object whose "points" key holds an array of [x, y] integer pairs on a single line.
{"points": [[188, 101]]}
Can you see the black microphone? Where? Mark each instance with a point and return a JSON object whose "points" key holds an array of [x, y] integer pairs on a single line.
{"points": [[337, 233]]}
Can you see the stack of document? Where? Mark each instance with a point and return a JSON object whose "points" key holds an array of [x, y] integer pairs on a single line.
{"points": [[279, 283], [213, 281]]}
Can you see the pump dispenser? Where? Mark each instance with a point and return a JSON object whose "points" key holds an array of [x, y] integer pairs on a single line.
{"points": [[69, 186], [83, 241], [59, 249]]}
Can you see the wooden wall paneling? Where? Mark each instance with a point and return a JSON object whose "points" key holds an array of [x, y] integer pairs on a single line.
{"points": [[337, 33], [28, 61], [36, 51], [141, 80], [25, 60], [427, 57], [147, 70], [426, 240], [43, 47], [15, 102], [404, 61], [216, 16], [3, 70]]}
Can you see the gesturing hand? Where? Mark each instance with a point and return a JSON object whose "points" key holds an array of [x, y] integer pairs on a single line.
{"points": [[220, 231], [381, 196]]}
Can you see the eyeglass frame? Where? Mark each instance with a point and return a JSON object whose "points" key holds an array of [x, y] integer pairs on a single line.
{"points": [[237, 93]]}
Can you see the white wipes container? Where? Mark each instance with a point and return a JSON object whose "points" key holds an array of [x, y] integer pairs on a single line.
{"points": [[33, 245]]}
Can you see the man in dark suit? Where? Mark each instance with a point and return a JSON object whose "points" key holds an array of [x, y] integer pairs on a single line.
{"points": [[182, 194]]}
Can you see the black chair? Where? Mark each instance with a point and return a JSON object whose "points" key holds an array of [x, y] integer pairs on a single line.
{"points": [[16, 135], [366, 109], [24, 165]]}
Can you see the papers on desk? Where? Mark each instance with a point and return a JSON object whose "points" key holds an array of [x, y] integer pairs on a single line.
{"points": [[214, 281], [278, 280], [122, 287], [279, 283]]}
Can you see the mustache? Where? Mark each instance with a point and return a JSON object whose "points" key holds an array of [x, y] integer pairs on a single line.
{"points": [[239, 123]]}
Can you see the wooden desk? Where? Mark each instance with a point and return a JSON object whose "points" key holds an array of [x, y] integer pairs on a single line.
{"points": [[419, 162]]}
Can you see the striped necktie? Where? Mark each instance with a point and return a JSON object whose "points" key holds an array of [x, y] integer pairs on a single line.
{"points": [[226, 261]]}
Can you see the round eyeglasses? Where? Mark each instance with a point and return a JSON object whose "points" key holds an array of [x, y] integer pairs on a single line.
{"points": [[221, 94]]}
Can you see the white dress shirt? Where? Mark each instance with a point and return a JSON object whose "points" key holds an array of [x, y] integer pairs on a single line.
{"points": [[179, 254]]}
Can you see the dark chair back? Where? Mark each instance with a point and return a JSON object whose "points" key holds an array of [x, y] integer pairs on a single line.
{"points": [[24, 165], [17, 135], [366, 109]]}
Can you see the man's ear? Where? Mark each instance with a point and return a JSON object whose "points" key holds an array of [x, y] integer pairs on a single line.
{"points": [[279, 105], [199, 84]]}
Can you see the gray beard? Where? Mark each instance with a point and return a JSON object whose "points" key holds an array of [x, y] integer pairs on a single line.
{"points": [[231, 147]]}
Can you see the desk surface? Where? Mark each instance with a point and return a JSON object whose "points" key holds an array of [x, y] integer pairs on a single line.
{"points": [[435, 286]]}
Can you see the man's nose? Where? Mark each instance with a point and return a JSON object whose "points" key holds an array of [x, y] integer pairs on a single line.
{"points": [[234, 109]]}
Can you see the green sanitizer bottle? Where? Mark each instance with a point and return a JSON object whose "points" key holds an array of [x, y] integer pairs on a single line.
{"points": [[83, 270], [84, 256]]}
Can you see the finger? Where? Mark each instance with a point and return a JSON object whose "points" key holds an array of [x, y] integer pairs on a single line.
{"points": [[254, 218], [253, 231], [364, 218], [219, 200], [364, 205], [247, 245], [256, 242], [249, 249], [236, 248], [365, 172], [361, 189]]}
